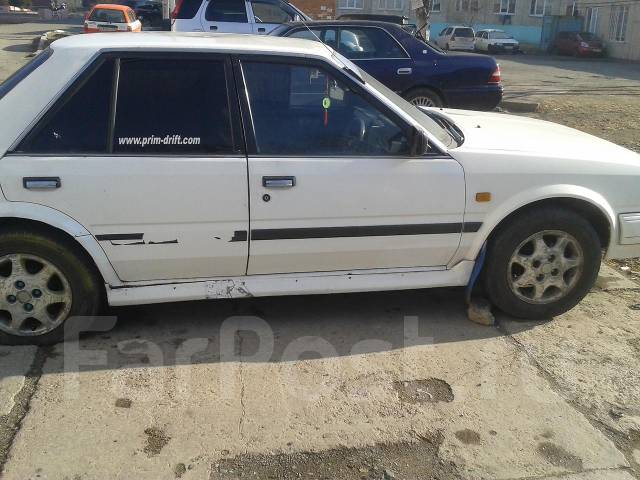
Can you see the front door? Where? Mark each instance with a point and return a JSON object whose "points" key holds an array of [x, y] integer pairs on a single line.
{"points": [[226, 16], [166, 193], [331, 184]]}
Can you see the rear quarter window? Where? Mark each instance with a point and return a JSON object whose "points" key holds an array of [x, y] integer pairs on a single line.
{"points": [[188, 9]]}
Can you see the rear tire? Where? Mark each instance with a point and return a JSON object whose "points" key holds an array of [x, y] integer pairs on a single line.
{"points": [[44, 281], [424, 97], [542, 263]]}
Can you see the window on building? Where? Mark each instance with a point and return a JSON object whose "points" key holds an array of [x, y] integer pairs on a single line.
{"points": [[538, 8], [192, 117], [321, 115], [505, 7], [466, 5], [226, 11], [435, 6], [350, 4], [391, 4], [618, 25], [591, 20]]}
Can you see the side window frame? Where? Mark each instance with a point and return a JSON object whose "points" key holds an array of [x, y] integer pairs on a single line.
{"points": [[385, 32], [237, 134], [245, 109]]}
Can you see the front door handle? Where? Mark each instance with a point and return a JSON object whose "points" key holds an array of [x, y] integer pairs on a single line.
{"points": [[278, 182], [405, 71], [213, 27], [262, 30], [41, 183]]}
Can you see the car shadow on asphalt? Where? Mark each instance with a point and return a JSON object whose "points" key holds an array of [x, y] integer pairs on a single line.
{"points": [[276, 330]]}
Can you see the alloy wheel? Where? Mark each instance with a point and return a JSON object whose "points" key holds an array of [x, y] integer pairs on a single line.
{"points": [[545, 267], [35, 296]]}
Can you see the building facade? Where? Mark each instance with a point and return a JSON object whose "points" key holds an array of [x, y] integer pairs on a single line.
{"points": [[535, 22], [317, 9], [401, 8]]}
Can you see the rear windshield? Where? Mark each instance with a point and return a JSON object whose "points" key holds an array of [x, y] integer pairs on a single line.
{"points": [[500, 35], [110, 16], [463, 32], [24, 72]]}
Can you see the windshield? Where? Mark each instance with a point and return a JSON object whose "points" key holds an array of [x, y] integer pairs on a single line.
{"points": [[500, 35], [588, 36], [423, 119]]}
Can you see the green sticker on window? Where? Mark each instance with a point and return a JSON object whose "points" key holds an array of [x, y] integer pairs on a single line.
{"points": [[326, 103]]}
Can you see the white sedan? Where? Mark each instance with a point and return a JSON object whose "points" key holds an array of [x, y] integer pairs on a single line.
{"points": [[496, 41], [145, 168]]}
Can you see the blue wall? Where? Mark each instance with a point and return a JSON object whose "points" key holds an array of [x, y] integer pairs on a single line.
{"points": [[521, 33]]}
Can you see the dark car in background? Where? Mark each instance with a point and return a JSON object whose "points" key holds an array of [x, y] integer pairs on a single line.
{"points": [[419, 71], [149, 12], [579, 44]]}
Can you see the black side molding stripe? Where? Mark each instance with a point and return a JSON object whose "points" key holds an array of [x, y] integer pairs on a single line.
{"points": [[239, 236], [120, 236], [363, 231], [471, 227]]}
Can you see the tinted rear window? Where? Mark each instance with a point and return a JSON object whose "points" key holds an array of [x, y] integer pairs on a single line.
{"points": [[24, 72], [110, 16], [464, 32], [188, 9], [226, 11]]}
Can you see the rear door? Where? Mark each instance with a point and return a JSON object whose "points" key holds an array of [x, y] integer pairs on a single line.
{"points": [[331, 185], [377, 52], [226, 16], [165, 193]]}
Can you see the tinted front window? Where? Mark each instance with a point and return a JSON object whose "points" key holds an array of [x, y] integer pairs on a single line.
{"points": [[172, 106], [359, 43], [270, 13], [108, 16], [78, 124], [226, 11], [320, 115]]}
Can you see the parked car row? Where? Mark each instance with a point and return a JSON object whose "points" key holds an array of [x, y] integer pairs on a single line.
{"points": [[107, 197], [487, 40]]}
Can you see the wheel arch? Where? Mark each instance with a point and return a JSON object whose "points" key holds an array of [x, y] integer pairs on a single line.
{"points": [[584, 202], [48, 220]]}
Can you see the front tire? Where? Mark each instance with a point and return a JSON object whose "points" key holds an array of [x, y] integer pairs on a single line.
{"points": [[542, 264], [44, 281]]}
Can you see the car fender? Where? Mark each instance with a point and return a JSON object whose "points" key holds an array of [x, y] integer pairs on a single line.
{"points": [[527, 197], [56, 219]]}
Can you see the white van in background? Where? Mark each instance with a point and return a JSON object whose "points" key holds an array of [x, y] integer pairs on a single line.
{"points": [[232, 16]]}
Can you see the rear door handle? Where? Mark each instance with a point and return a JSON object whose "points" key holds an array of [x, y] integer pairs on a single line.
{"points": [[213, 27], [41, 183], [404, 71], [278, 182], [262, 30]]}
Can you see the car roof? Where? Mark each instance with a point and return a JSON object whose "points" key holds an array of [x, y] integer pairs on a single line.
{"points": [[491, 30], [110, 6], [215, 42], [363, 23]]}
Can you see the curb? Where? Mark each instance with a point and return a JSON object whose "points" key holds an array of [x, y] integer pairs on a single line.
{"points": [[520, 107]]}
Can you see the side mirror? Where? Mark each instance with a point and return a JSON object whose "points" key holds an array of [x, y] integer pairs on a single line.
{"points": [[418, 143]]}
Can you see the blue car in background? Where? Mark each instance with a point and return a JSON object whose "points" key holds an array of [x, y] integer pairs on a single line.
{"points": [[421, 72]]}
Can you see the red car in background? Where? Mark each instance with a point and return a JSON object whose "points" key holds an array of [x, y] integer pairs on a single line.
{"points": [[579, 44]]}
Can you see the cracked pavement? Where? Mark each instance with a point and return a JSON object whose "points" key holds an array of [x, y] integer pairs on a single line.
{"points": [[341, 387]]}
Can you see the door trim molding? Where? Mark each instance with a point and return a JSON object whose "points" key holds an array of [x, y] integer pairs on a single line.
{"points": [[364, 231]]}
